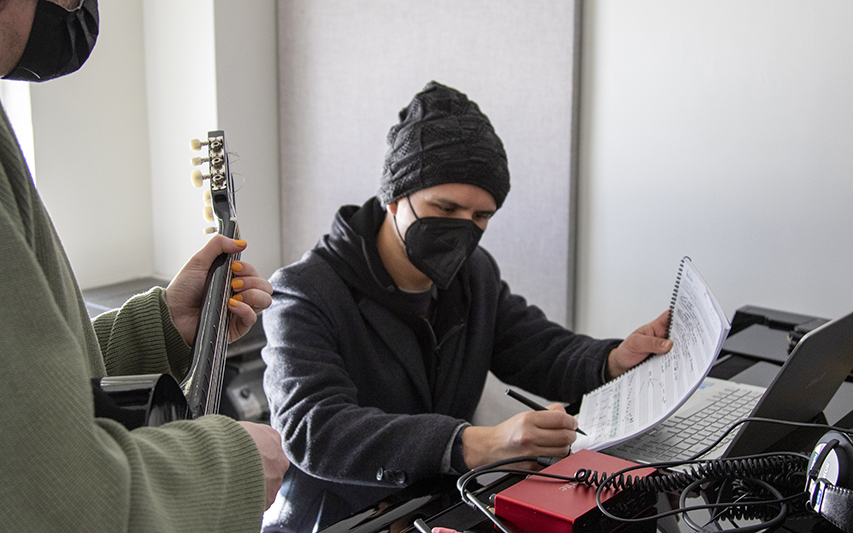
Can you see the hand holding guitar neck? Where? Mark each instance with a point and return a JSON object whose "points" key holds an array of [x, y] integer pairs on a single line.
{"points": [[211, 288], [249, 293]]}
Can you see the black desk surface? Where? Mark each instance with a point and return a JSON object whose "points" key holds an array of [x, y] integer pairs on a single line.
{"points": [[438, 503]]}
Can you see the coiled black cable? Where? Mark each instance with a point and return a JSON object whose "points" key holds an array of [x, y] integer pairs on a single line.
{"points": [[764, 468], [773, 467], [778, 473], [769, 522], [767, 467]]}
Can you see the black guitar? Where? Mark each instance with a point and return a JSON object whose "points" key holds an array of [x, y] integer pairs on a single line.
{"points": [[154, 399]]}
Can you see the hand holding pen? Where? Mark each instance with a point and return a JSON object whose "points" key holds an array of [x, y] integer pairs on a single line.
{"points": [[533, 405]]}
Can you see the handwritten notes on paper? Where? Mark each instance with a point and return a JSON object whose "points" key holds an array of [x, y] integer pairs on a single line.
{"points": [[653, 390]]}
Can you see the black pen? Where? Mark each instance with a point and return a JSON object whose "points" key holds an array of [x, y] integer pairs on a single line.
{"points": [[533, 405]]}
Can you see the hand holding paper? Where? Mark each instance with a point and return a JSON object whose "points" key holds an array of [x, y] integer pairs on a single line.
{"points": [[653, 390], [647, 340]]}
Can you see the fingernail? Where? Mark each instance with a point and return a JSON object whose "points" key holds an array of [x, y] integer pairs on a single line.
{"points": [[240, 242], [232, 302], [238, 297], [236, 283], [236, 266]]}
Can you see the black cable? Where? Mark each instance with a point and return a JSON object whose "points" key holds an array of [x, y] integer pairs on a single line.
{"points": [[693, 477], [774, 522], [701, 470], [759, 419], [664, 483], [472, 500]]}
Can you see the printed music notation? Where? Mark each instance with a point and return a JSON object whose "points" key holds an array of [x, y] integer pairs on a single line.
{"points": [[653, 390]]}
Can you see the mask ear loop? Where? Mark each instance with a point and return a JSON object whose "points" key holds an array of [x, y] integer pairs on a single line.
{"points": [[395, 219], [409, 199]]}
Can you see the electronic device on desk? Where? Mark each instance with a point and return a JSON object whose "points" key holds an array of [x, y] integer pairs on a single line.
{"points": [[761, 334], [545, 505], [593, 492], [829, 484], [800, 392]]}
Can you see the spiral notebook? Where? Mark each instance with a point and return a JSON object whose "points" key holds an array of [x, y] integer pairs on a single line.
{"points": [[800, 392], [650, 392]]}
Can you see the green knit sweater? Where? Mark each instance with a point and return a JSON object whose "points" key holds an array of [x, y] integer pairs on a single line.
{"points": [[62, 469]]}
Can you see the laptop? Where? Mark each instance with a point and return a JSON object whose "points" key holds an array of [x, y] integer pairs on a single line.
{"points": [[800, 392]]}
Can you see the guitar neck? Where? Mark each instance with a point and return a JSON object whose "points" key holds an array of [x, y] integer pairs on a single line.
{"points": [[203, 384]]}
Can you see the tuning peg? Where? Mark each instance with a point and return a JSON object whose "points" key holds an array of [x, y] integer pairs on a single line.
{"points": [[208, 213], [215, 162], [206, 197], [198, 178], [210, 229], [215, 144]]}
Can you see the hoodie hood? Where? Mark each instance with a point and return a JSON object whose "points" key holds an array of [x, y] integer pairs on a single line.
{"points": [[350, 249]]}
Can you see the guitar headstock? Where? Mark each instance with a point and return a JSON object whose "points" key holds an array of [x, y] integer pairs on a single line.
{"points": [[219, 198]]}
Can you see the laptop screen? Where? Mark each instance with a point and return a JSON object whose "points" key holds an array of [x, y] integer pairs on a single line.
{"points": [[803, 387]]}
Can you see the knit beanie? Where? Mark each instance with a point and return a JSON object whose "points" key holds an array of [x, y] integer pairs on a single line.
{"points": [[443, 137]]}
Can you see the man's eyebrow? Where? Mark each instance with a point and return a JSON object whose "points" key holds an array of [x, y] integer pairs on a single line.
{"points": [[451, 203], [446, 201]]}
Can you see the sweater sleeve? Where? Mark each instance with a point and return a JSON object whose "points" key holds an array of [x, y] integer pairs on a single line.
{"points": [[143, 327], [541, 356], [63, 469]]}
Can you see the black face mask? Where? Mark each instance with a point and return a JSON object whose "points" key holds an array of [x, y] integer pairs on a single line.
{"points": [[59, 43], [438, 246]]}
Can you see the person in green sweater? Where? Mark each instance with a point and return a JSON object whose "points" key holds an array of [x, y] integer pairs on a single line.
{"points": [[63, 469]]}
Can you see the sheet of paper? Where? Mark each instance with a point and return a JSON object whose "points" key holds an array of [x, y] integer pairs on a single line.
{"points": [[653, 390]]}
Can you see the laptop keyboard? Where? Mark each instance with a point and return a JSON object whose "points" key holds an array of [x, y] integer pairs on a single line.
{"points": [[678, 438]]}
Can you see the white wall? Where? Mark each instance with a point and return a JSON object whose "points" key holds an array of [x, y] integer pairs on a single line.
{"points": [[247, 106], [15, 96], [721, 130], [211, 64], [90, 133], [112, 140], [180, 73]]}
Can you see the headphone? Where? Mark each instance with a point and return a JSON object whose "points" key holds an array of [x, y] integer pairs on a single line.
{"points": [[829, 477]]}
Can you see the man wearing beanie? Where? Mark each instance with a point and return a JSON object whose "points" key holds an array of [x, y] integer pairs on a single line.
{"points": [[380, 339]]}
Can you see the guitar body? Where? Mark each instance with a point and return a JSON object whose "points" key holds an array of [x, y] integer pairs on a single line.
{"points": [[154, 399], [144, 400]]}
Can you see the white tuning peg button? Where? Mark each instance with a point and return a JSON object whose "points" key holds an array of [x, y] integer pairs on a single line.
{"points": [[195, 145], [206, 197], [197, 178], [208, 213], [210, 229]]}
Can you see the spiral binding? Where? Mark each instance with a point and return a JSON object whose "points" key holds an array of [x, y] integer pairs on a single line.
{"points": [[675, 294]]}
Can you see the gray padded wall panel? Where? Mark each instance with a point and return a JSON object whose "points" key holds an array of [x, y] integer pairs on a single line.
{"points": [[347, 67]]}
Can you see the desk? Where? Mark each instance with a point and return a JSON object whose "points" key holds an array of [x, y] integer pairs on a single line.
{"points": [[438, 503]]}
